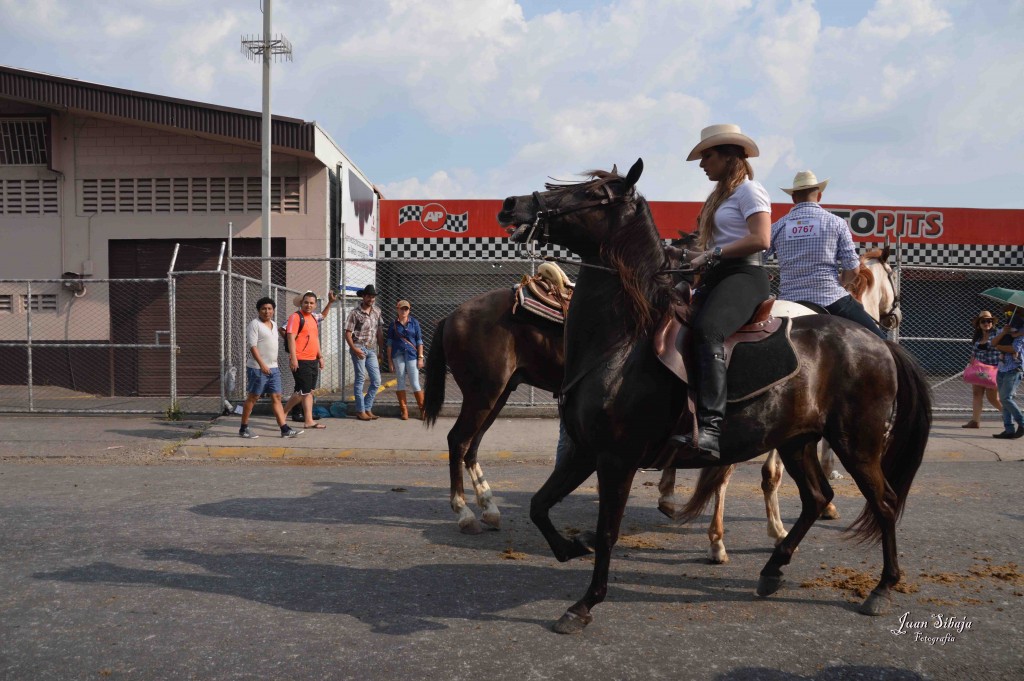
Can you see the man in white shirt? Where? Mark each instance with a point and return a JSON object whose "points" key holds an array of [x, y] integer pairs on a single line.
{"points": [[261, 372]]}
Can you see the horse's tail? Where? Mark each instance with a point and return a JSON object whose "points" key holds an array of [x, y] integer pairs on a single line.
{"points": [[709, 481], [436, 370], [907, 441]]}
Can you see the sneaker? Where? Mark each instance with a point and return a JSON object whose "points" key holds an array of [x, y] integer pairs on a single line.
{"points": [[248, 434], [291, 432]]}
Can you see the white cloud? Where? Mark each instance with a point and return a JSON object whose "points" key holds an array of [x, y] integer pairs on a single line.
{"points": [[898, 19], [901, 102], [121, 26]]}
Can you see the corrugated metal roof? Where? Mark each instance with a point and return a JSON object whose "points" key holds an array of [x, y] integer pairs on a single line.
{"points": [[80, 96]]}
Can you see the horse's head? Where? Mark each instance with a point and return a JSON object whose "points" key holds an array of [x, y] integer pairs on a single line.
{"points": [[879, 296], [578, 216]]}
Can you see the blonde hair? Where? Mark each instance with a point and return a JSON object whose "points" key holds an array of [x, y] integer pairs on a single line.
{"points": [[737, 169]]}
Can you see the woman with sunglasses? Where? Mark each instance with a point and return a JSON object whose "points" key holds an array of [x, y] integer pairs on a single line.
{"points": [[984, 352]]}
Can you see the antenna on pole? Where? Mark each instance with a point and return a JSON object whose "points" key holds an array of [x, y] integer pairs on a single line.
{"points": [[266, 48]]}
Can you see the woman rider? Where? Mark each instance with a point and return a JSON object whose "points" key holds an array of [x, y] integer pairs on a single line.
{"points": [[734, 228]]}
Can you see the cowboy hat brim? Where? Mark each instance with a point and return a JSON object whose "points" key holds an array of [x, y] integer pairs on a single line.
{"points": [[737, 138], [820, 186]]}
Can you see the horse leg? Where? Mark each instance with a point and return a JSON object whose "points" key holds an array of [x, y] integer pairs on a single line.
{"points": [[801, 462], [491, 516], [716, 530], [565, 478], [615, 485], [771, 477], [461, 440], [667, 503], [828, 467], [881, 502]]}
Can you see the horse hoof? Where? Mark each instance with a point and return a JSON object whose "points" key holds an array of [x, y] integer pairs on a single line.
{"points": [[584, 543], [875, 604], [718, 556], [571, 623], [778, 540], [492, 521], [470, 527], [667, 509], [767, 585], [830, 513]]}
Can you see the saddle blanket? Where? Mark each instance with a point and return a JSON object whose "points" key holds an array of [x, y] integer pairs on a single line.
{"points": [[527, 307], [756, 367]]}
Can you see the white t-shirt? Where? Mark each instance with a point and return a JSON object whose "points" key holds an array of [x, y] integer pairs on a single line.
{"points": [[731, 217], [264, 338]]}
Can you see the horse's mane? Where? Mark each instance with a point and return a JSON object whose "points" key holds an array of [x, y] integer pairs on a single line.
{"points": [[872, 254], [636, 251], [865, 279]]}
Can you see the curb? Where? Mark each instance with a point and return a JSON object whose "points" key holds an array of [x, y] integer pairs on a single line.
{"points": [[352, 454]]}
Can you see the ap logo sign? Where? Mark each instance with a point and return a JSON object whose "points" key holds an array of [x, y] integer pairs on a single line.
{"points": [[433, 217]]}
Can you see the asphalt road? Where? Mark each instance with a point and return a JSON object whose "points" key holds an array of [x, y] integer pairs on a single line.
{"points": [[160, 567]]}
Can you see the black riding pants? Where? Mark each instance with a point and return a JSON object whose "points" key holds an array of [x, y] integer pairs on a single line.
{"points": [[731, 293]]}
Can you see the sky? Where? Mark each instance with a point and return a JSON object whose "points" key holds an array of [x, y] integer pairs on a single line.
{"points": [[898, 102]]}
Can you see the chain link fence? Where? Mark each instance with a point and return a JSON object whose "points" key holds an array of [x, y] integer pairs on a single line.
{"points": [[178, 343], [74, 345]]}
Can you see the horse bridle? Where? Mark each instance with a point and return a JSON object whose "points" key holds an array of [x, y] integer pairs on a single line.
{"points": [[891, 314], [545, 215]]}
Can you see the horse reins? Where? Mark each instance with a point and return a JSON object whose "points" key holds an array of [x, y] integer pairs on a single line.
{"points": [[544, 215]]}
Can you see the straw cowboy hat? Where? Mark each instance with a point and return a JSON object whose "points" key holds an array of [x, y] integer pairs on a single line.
{"points": [[805, 179], [724, 133], [984, 314]]}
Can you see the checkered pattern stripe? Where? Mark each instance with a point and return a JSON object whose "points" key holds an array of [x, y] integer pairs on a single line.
{"points": [[956, 255], [469, 248]]}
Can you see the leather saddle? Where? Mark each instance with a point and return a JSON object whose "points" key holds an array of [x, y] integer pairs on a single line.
{"points": [[770, 364], [542, 296]]}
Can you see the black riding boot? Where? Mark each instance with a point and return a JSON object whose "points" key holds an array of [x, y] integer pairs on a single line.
{"points": [[711, 398]]}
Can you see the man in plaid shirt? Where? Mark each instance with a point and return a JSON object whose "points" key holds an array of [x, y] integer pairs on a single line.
{"points": [[365, 337], [809, 242]]}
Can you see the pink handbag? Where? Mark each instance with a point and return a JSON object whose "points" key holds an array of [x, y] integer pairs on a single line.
{"points": [[979, 373]]}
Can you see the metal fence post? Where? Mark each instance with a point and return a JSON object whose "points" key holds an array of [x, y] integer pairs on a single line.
{"points": [[222, 366], [245, 306], [28, 346], [343, 363], [173, 318]]}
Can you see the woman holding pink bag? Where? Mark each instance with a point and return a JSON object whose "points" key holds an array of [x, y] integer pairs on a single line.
{"points": [[981, 372]]}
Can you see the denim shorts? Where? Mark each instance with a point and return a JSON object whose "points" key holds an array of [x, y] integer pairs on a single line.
{"points": [[258, 383]]}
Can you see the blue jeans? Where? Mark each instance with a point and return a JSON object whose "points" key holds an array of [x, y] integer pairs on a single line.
{"points": [[850, 308], [565, 446], [1007, 382], [403, 367], [364, 366]]}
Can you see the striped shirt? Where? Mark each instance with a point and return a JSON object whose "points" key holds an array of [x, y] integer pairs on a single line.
{"points": [[811, 244]]}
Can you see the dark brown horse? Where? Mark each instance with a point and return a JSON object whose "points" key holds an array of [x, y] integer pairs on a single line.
{"points": [[865, 395], [489, 354]]}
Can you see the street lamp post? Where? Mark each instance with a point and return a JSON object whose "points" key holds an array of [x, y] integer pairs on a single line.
{"points": [[267, 47]]}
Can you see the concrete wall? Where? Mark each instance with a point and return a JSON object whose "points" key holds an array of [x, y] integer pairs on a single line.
{"points": [[85, 150]]}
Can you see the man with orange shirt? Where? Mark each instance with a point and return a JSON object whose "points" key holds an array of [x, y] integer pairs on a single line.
{"points": [[303, 335]]}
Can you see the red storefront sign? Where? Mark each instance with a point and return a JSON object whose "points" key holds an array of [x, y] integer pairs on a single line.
{"points": [[477, 218]]}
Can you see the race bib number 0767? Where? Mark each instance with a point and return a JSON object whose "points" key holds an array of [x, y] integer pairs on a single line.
{"points": [[802, 228]]}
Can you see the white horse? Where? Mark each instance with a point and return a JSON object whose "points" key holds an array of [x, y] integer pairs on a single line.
{"points": [[875, 288]]}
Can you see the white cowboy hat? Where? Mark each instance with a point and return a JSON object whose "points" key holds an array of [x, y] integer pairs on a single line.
{"points": [[805, 179], [724, 133]]}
